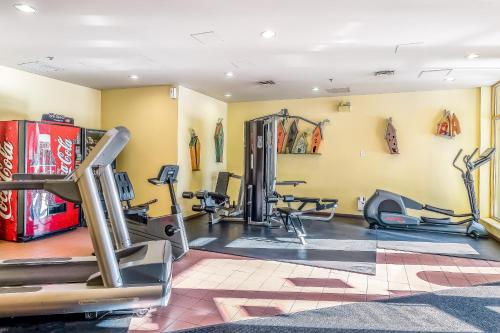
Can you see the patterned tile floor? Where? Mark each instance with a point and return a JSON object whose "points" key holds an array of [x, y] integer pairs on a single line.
{"points": [[211, 288]]}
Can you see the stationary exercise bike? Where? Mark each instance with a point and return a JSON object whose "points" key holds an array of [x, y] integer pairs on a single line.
{"points": [[388, 210], [143, 227]]}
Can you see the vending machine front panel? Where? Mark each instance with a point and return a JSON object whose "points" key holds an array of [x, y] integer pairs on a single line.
{"points": [[50, 149]]}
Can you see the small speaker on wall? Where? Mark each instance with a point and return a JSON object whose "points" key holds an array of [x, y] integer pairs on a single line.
{"points": [[173, 93]]}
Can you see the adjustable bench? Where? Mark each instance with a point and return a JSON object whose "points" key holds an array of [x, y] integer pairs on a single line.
{"points": [[217, 204], [292, 217]]}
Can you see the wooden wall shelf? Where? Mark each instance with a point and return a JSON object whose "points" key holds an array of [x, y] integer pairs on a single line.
{"points": [[299, 154]]}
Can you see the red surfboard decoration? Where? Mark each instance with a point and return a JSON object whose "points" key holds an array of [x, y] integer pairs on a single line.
{"points": [[316, 140]]}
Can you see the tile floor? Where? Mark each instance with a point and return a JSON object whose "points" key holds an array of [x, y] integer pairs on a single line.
{"points": [[211, 288]]}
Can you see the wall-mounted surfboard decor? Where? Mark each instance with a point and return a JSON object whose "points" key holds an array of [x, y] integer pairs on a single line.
{"points": [[449, 125], [219, 141], [194, 151], [391, 137]]}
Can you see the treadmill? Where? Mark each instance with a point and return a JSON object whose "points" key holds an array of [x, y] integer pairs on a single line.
{"points": [[132, 278]]}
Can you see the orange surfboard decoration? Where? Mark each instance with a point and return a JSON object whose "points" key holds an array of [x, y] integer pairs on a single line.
{"points": [[281, 136], [316, 140], [455, 125]]}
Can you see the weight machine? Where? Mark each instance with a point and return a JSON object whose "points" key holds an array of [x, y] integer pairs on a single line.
{"points": [[260, 169]]}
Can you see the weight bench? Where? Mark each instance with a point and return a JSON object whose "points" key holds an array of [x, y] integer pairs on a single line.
{"points": [[210, 202], [217, 204], [292, 217]]}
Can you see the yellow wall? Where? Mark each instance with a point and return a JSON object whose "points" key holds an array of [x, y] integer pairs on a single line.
{"points": [[27, 96], [422, 171], [201, 113], [151, 116]]}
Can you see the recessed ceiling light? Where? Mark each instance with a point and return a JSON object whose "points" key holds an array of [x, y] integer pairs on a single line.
{"points": [[24, 8], [315, 89], [473, 56], [268, 34], [228, 95], [229, 74], [450, 79], [133, 77]]}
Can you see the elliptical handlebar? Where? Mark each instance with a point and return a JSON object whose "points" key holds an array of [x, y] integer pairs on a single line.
{"points": [[455, 162], [467, 158], [472, 165]]}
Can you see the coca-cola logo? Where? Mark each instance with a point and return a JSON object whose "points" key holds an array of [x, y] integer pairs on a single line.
{"points": [[65, 154], [6, 166]]}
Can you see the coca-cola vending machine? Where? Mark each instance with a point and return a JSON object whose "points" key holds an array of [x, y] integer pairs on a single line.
{"points": [[39, 148]]}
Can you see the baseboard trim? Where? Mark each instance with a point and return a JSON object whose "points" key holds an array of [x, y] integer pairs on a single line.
{"points": [[352, 216]]}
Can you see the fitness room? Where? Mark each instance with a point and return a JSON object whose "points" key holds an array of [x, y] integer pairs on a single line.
{"points": [[249, 166]]}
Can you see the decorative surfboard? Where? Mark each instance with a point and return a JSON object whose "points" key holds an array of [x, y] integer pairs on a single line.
{"points": [[317, 136], [391, 138], [455, 126], [300, 146], [194, 151], [316, 139], [444, 124], [281, 135], [292, 136], [449, 125], [219, 141]]}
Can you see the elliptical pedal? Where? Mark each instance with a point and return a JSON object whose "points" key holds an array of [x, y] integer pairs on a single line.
{"points": [[435, 220]]}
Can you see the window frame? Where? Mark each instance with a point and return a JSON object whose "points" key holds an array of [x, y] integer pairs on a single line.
{"points": [[494, 176]]}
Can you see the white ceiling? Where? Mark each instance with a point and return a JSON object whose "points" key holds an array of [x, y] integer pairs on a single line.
{"points": [[99, 43]]}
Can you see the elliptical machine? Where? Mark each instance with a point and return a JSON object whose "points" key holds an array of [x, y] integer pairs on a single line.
{"points": [[388, 210]]}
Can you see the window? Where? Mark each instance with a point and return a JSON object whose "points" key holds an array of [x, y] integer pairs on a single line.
{"points": [[496, 133]]}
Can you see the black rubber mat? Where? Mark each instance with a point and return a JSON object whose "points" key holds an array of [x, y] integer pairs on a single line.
{"points": [[438, 243], [345, 245], [473, 309]]}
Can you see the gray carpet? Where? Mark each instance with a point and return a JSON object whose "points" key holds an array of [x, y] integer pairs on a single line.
{"points": [[473, 309], [74, 323]]}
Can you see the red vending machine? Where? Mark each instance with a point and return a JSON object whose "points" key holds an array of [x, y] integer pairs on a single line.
{"points": [[41, 148]]}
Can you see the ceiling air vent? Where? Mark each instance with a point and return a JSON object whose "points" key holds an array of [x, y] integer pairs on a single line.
{"points": [[266, 83], [207, 38], [333, 90], [39, 67], [338, 90], [384, 73], [435, 73]]}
